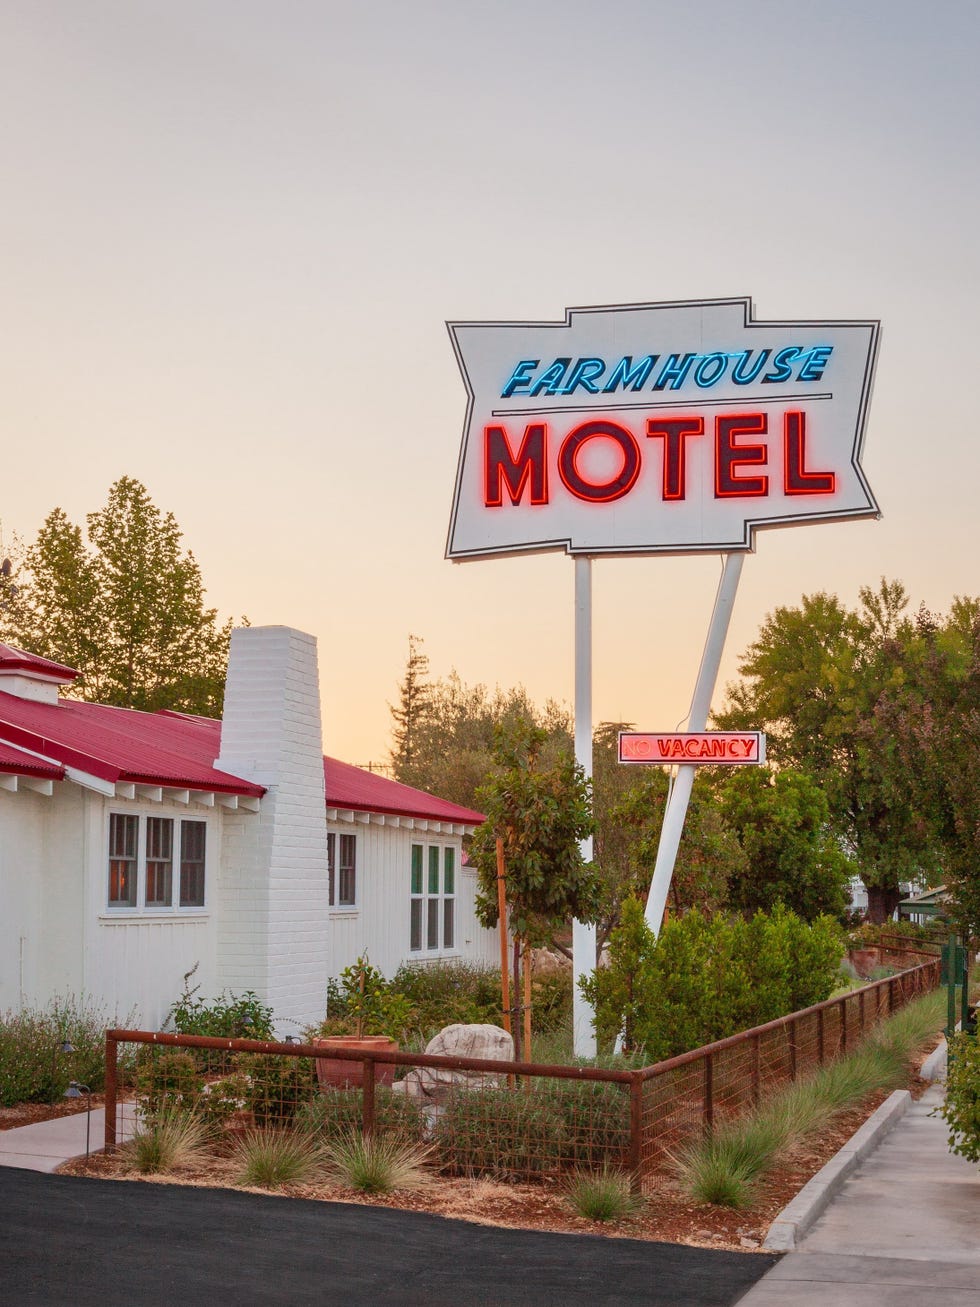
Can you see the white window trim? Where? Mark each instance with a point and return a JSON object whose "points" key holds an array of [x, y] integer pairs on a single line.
{"points": [[154, 912], [424, 952], [333, 873]]}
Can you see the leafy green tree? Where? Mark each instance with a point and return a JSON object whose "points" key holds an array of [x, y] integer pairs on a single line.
{"points": [[812, 679], [629, 809], [125, 610], [782, 820], [932, 718], [541, 808]]}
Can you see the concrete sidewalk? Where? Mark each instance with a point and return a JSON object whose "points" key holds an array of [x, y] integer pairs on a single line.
{"points": [[45, 1145], [902, 1229]]}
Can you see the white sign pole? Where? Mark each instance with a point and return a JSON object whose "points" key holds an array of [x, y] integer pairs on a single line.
{"points": [[583, 935], [670, 834]]}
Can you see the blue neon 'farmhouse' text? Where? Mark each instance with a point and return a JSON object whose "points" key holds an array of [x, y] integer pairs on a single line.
{"points": [[593, 376]]}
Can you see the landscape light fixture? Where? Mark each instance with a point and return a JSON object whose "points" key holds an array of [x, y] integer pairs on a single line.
{"points": [[75, 1090]]}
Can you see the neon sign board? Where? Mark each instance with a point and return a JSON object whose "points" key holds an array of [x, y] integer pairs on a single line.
{"points": [[657, 428], [719, 748]]}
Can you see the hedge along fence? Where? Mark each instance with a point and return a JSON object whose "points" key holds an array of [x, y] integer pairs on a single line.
{"points": [[516, 1120]]}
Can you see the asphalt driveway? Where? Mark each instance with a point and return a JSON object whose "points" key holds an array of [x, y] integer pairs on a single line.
{"points": [[79, 1241]]}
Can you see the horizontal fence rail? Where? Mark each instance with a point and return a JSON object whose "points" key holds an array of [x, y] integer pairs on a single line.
{"points": [[509, 1120]]}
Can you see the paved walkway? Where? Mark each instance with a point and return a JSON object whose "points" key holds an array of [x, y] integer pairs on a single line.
{"points": [[45, 1145], [903, 1230]]}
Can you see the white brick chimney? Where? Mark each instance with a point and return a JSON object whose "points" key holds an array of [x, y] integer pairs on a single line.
{"points": [[273, 912]]}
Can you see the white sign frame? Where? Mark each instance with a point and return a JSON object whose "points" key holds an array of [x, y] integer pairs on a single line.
{"points": [[805, 408]]}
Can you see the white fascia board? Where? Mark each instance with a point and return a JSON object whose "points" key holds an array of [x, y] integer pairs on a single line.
{"points": [[90, 782]]}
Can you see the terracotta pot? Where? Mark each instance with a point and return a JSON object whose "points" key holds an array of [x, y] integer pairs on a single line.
{"points": [[334, 1072], [863, 960]]}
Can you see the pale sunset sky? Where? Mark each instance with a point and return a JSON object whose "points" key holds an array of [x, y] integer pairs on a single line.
{"points": [[232, 231]]}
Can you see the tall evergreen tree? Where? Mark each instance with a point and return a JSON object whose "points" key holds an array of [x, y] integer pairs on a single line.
{"points": [[409, 716]]}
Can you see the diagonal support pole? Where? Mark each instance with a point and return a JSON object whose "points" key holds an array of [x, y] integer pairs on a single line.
{"points": [[670, 834]]}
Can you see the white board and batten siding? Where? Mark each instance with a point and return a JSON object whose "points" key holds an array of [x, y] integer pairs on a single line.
{"points": [[380, 922]]}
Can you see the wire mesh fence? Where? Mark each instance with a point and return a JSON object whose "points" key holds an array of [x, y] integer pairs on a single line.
{"points": [[506, 1120]]}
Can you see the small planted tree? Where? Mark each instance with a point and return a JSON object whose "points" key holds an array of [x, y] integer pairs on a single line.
{"points": [[538, 802]]}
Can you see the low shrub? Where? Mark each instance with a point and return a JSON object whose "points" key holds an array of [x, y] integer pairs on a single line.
{"points": [[596, 1119], [920, 937], [275, 1085], [705, 978], [961, 1108], [446, 993], [335, 1112], [551, 1002], [228, 1016], [168, 1081], [33, 1066], [503, 1133]]}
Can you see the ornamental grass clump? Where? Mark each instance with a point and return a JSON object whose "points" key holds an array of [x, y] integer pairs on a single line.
{"points": [[603, 1195], [376, 1163], [171, 1140], [724, 1167], [271, 1158]]}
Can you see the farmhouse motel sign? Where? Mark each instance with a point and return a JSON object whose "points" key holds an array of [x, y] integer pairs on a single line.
{"points": [[657, 428]]}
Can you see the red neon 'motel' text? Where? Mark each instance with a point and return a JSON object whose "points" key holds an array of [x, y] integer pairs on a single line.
{"points": [[739, 457]]}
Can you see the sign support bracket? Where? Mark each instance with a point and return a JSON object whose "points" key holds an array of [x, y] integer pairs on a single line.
{"points": [[676, 811]]}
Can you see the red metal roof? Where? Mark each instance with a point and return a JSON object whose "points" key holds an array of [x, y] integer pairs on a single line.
{"points": [[178, 750], [18, 660], [15, 761], [365, 791], [120, 744]]}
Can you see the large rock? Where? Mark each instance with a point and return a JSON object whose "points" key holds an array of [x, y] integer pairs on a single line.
{"points": [[434, 1084], [546, 963]]}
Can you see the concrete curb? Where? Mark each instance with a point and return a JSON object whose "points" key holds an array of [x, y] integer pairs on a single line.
{"points": [[797, 1216], [934, 1067]]}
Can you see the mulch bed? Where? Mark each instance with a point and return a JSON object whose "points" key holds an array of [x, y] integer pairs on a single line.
{"points": [[667, 1215]]}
